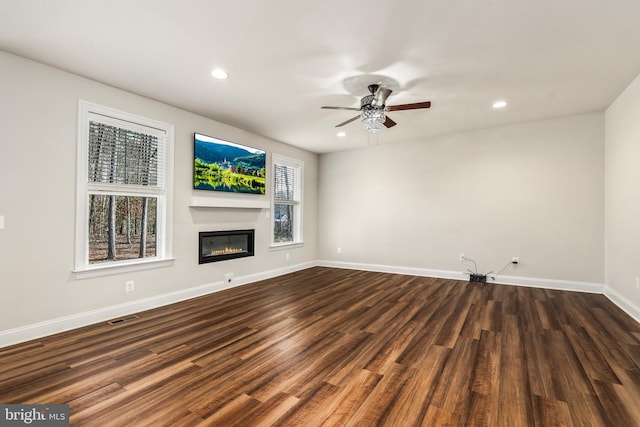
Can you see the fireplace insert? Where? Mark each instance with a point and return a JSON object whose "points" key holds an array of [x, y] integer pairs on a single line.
{"points": [[223, 245]]}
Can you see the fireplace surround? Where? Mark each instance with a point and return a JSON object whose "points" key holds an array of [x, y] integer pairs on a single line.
{"points": [[216, 246]]}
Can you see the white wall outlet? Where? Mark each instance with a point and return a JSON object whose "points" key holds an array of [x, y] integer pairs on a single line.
{"points": [[1, 222], [287, 256], [462, 257], [228, 278], [129, 286], [515, 260], [339, 250], [637, 283]]}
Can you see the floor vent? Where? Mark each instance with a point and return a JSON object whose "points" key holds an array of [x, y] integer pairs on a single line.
{"points": [[123, 319]]}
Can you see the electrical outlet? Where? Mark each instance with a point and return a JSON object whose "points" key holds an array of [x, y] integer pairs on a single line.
{"points": [[515, 260], [462, 257], [637, 283], [339, 250], [129, 286], [1, 222], [228, 278], [287, 256]]}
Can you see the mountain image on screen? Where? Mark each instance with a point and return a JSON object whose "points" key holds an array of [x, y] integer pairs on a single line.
{"points": [[222, 166], [212, 153]]}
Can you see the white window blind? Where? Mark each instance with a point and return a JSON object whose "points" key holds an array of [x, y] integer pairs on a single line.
{"points": [[122, 156], [285, 182], [287, 201]]}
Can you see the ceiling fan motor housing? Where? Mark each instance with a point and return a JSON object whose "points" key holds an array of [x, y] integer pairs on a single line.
{"points": [[365, 103]]}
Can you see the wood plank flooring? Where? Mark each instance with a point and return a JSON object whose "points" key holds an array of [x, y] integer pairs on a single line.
{"points": [[333, 347]]}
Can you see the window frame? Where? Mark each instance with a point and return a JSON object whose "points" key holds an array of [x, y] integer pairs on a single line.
{"points": [[297, 203], [87, 112]]}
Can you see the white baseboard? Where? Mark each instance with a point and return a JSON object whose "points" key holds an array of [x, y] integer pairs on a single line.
{"points": [[625, 305], [412, 271], [62, 324], [560, 285], [563, 285]]}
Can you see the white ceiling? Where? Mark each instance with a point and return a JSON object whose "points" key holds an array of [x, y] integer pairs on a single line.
{"points": [[287, 58]]}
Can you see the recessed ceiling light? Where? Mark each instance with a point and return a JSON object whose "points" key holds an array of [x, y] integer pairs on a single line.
{"points": [[341, 134], [499, 104], [219, 74]]}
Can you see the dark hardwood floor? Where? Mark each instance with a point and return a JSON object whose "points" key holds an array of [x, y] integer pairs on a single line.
{"points": [[332, 347]]}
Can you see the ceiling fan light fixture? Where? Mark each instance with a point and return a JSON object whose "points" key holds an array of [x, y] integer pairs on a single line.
{"points": [[373, 107], [372, 119]]}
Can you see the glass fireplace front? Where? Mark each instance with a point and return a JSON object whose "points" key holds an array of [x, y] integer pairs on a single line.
{"points": [[223, 245]]}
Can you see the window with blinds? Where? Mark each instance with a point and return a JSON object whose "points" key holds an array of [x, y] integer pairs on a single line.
{"points": [[285, 182], [287, 201], [123, 198], [122, 156]]}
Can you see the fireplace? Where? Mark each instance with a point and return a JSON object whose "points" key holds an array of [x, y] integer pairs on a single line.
{"points": [[223, 245]]}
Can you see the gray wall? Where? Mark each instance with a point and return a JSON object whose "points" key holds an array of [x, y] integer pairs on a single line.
{"points": [[532, 190], [38, 135]]}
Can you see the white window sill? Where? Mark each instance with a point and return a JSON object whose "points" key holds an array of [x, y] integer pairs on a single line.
{"points": [[97, 270], [288, 245]]}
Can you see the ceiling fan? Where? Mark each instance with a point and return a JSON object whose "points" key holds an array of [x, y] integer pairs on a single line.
{"points": [[372, 109]]}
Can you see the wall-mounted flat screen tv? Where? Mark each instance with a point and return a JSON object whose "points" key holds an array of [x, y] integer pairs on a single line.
{"points": [[220, 165]]}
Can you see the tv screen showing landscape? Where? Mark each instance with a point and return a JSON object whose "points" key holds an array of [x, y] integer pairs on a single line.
{"points": [[225, 166]]}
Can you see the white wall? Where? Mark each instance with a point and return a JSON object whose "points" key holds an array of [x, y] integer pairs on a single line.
{"points": [[38, 133], [622, 203], [532, 190]]}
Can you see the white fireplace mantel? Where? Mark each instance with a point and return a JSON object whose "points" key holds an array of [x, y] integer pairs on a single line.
{"points": [[221, 202]]}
